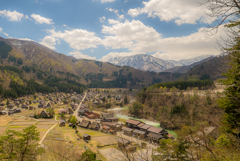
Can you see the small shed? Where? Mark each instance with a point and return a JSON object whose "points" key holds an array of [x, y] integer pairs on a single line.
{"points": [[62, 123], [86, 137]]}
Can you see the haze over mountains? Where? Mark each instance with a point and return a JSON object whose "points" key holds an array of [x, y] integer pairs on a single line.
{"points": [[150, 63]]}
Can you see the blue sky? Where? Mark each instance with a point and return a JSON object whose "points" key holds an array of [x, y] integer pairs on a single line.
{"points": [[102, 29]]}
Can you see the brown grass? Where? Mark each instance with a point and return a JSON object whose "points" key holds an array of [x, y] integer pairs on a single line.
{"points": [[4, 120]]}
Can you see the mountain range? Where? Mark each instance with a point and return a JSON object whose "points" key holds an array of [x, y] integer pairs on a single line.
{"points": [[149, 63], [35, 61]]}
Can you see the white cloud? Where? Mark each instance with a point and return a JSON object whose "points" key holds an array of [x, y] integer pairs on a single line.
{"points": [[27, 17], [80, 55], [111, 21], [121, 17], [112, 10], [49, 42], [64, 25], [78, 39], [39, 19], [1, 30], [104, 1], [183, 11], [136, 37], [102, 19], [12, 16], [131, 35], [5, 34], [117, 54]]}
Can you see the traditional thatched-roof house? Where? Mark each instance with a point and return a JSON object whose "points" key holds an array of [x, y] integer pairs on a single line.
{"points": [[44, 114], [10, 106], [17, 110], [105, 129], [62, 123], [94, 126], [84, 124]]}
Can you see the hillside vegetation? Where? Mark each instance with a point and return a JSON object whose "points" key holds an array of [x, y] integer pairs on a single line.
{"points": [[27, 60], [175, 108]]}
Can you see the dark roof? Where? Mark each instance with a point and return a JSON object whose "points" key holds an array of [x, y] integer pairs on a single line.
{"points": [[85, 135], [155, 136], [134, 122], [145, 127], [139, 132], [123, 141], [62, 121], [140, 125], [154, 129], [127, 129]]}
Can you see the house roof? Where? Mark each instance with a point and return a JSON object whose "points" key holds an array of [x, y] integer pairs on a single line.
{"points": [[127, 129], [62, 121], [145, 127], [109, 123], [134, 122], [155, 136], [154, 129], [94, 125], [105, 127], [140, 125], [139, 132], [84, 123], [123, 141], [85, 135]]}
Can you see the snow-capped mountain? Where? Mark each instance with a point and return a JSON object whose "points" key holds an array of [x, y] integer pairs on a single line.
{"points": [[149, 63], [143, 62], [191, 61]]}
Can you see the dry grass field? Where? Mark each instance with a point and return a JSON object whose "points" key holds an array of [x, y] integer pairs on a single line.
{"points": [[106, 140], [4, 120]]}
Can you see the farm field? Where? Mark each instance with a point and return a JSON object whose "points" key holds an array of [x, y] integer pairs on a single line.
{"points": [[21, 120], [66, 136]]}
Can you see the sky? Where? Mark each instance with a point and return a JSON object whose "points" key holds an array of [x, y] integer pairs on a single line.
{"points": [[102, 29]]}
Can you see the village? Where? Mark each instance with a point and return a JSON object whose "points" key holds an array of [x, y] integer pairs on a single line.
{"points": [[96, 127]]}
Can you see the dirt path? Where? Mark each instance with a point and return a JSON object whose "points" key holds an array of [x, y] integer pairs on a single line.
{"points": [[40, 142]]}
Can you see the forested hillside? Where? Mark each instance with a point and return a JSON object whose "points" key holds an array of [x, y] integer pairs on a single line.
{"points": [[24, 65], [175, 105]]}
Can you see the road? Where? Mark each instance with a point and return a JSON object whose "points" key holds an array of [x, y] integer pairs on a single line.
{"points": [[76, 111]]}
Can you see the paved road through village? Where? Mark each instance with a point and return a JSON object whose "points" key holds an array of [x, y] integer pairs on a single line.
{"points": [[76, 111]]}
